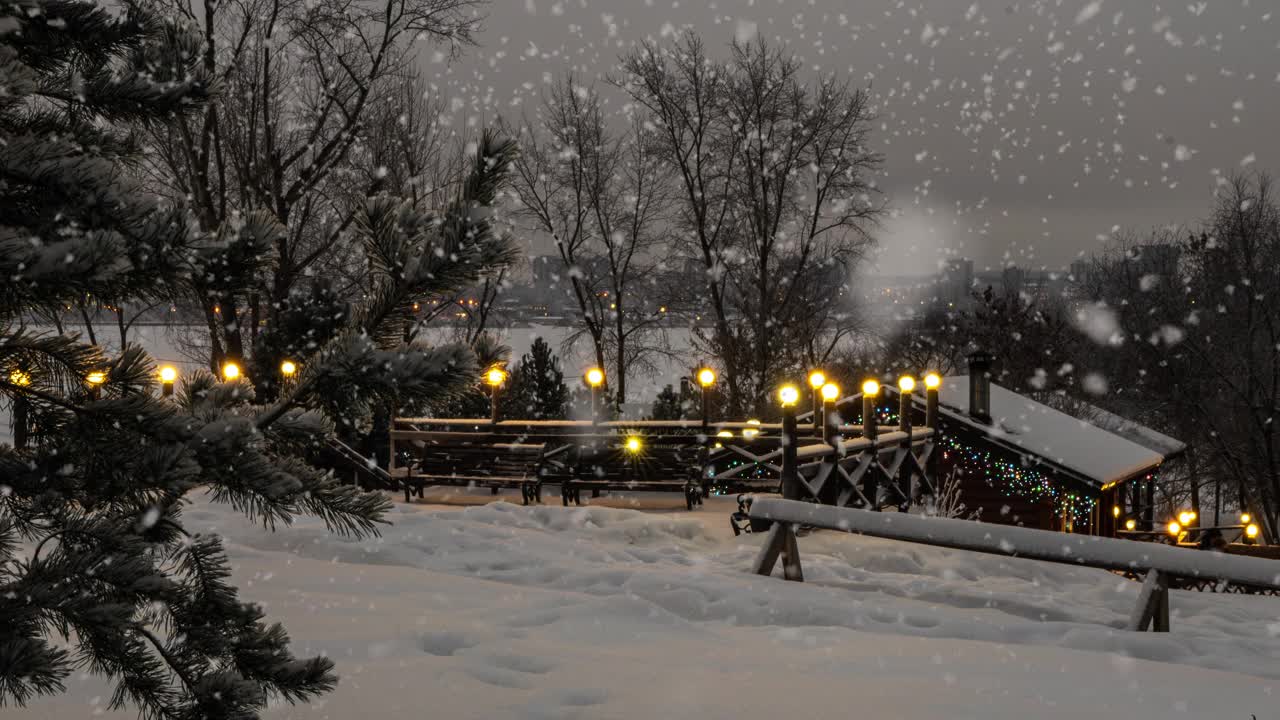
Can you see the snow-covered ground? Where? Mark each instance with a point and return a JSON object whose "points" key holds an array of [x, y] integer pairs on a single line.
{"points": [[494, 611]]}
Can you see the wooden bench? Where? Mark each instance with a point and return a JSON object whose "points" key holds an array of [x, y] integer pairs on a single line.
{"points": [[491, 465], [1159, 563], [656, 467]]}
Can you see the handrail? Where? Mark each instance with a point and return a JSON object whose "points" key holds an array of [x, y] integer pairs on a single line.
{"points": [[1086, 550]]}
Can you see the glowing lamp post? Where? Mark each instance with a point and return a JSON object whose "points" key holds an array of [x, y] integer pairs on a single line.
{"points": [[20, 423], [494, 378], [816, 380], [870, 391], [1186, 517], [830, 428], [1130, 524], [706, 378], [230, 372], [1174, 529], [288, 370], [168, 375], [634, 445], [906, 386], [595, 378], [932, 383], [95, 380], [1251, 534], [788, 396]]}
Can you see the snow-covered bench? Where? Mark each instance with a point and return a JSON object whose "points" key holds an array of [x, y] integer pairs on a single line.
{"points": [[494, 465], [1160, 563], [652, 467]]}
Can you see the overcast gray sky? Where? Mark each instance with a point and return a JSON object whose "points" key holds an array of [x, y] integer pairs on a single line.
{"points": [[1012, 131]]}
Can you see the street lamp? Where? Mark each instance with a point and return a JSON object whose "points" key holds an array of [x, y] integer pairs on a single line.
{"points": [[230, 371], [495, 377], [932, 384], [788, 396], [816, 380], [906, 384], [830, 393], [168, 374], [870, 390], [95, 380], [20, 424], [706, 378], [1251, 533], [595, 378]]}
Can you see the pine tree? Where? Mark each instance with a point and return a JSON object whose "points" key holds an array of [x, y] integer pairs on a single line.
{"points": [[97, 570], [536, 389], [668, 405]]}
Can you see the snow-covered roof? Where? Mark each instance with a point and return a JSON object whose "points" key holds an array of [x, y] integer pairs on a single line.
{"points": [[1093, 452]]}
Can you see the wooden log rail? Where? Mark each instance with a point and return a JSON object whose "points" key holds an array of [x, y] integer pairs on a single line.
{"points": [[1159, 563]]}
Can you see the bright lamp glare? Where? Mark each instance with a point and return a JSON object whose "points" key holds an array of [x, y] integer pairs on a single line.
{"points": [[1130, 524], [168, 374], [932, 381], [817, 379], [706, 377], [230, 371], [871, 388], [830, 392], [788, 395], [906, 383], [633, 444], [1174, 529], [595, 377]]}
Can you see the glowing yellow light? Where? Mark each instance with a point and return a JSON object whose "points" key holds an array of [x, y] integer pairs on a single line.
{"points": [[595, 377], [1185, 517], [496, 376], [17, 377], [1174, 529], [789, 395], [706, 377], [1251, 531], [725, 434], [817, 379], [906, 383], [1130, 524], [168, 374], [1115, 511], [933, 381], [97, 377], [633, 444], [1245, 518], [871, 388], [230, 371], [749, 433], [830, 392], [288, 368]]}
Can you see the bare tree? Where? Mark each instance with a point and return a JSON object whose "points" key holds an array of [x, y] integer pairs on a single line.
{"points": [[602, 197], [775, 193], [299, 84]]}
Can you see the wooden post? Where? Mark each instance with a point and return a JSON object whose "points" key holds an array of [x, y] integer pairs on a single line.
{"points": [[493, 408], [781, 540], [1152, 608], [21, 425], [790, 472], [869, 426], [931, 408], [819, 417], [830, 424], [904, 412]]}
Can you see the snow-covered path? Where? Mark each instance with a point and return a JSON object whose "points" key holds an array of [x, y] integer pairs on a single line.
{"points": [[549, 612]]}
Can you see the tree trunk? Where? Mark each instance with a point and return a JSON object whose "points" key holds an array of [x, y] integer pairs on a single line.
{"points": [[88, 323]]}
